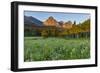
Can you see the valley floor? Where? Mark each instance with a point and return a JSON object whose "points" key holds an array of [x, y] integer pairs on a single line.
{"points": [[40, 49]]}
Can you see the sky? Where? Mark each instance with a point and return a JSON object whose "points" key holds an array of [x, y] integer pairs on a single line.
{"points": [[59, 16]]}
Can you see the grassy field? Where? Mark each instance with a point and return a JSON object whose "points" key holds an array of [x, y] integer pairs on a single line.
{"points": [[39, 49]]}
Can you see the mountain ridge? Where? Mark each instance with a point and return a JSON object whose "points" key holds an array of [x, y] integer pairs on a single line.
{"points": [[51, 21]]}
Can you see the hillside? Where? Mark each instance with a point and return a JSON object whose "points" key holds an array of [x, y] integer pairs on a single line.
{"points": [[31, 21]]}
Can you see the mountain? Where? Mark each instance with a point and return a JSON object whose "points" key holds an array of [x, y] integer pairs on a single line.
{"points": [[67, 25], [51, 22], [29, 21]]}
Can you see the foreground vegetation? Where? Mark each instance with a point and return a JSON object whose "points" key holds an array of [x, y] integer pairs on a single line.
{"points": [[41, 49]]}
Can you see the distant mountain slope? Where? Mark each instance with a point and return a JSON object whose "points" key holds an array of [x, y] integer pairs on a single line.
{"points": [[29, 20]]}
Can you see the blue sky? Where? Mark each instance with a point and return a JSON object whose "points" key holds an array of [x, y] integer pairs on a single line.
{"points": [[78, 17]]}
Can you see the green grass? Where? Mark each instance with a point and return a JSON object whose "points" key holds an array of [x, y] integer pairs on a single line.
{"points": [[39, 49]]}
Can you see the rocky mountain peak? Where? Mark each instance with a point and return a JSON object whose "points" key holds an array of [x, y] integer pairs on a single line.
{"points": [[50, 21]]}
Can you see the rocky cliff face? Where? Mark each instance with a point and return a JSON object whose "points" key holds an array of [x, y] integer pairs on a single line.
{"points": [[50, 22], [53, 22], [67, 25]]}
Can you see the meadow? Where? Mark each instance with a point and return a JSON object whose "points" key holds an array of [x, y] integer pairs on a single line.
{"points": [[43, 49]]}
